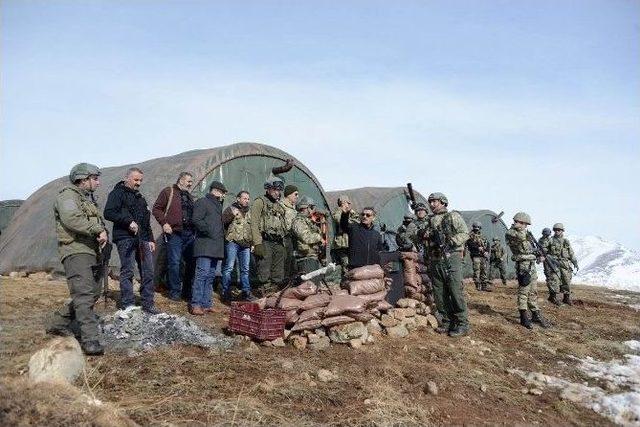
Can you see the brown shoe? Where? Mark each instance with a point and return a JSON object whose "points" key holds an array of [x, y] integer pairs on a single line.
{"points": [[196, 311]]}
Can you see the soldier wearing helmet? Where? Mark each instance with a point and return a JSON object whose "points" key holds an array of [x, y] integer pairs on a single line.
{"points": [[268, 231], [341, 240], [444, 239], [405, 244], [81, 234], [417, 227], [561, 249], [307, 237], [524, 255], [552, 286], [478, 247], [497, 259]]}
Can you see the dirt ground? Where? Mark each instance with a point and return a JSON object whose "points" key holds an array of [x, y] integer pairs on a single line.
{"points": [[380, 384]]}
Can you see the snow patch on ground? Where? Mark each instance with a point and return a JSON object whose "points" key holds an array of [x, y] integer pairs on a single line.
{"points": [[619, 397]]}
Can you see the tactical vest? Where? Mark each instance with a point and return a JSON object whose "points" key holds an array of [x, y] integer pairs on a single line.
{"points": [[272, 222], [520, 246], [476, 244], [301, 248], [89, 209], [497, 252], [239, 231], [560, 248], [442, 225]]}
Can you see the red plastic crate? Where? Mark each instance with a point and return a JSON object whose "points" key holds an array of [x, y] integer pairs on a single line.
{"points": [[247, 318]]}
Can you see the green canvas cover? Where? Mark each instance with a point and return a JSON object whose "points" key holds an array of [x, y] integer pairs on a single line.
{"points": [[29, 243], [8, 208]]}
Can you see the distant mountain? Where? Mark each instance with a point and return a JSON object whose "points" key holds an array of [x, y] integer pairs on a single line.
{"points": [[605, 263]]}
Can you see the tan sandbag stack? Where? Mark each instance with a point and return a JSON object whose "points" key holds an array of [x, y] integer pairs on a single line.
{"points": [[417, 284], [352, 315]]}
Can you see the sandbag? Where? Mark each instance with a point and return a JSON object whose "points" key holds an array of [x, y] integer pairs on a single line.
{"points": [[318, 300], [378, 296], [270, 302], [365, 316], [314, 313], [412, 279], [413, 256], [301, 291], [366, 272], [336, 320], [292, 317], [289, 304], [365, 287], [309, 324], [345, 304], [383, 306], [262, 303]]}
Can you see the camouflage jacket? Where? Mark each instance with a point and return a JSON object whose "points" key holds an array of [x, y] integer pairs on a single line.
{"points": [[290, 214], [238, 228], [78, 222], [544, 243], [341, 240], [497, 252], [520, 246], [267, 220], [403, 241], [477, 244], [451, 227], [415, 230], [307, 237], [560, 248]]}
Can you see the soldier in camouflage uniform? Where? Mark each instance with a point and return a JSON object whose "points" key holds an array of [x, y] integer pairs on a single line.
{"points": [[404, 242], [560, 248], [81, 233], [341, 239], [522, 249], [478, 247], [497, 259], [554, 288], [308, 237], [415, 230], [268, 230], [289, 204], [444, 237]]}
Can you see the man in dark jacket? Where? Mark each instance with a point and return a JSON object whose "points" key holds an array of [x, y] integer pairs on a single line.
{"points": [[365, 241], [208, 248], [132, 234], [173, 210]]}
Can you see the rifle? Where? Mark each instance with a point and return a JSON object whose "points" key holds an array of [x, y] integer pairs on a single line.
{"points": [[441, 243], [105, 256], [538, 251], [412, 196]]}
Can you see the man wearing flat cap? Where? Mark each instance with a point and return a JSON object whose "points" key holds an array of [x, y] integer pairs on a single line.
{"points": [[208, 248]]}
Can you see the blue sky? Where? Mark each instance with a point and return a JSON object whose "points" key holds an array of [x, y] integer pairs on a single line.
{"points": [[505, 105]]}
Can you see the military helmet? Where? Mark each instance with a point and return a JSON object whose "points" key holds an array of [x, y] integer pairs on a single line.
{"points": [[82, 171], [438, 196], [522, 217], [546, 231], [305, 202], [420, 207], [558, 226], [476, 224], [274, 182]]}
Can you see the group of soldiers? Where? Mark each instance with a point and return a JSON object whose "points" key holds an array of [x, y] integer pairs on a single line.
{"points": [[286, 235]]}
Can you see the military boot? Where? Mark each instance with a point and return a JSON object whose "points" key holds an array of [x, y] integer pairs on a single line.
{"points": [[553, 298], [566, 299], [525, 320], [536, 317], [504, 282], [459, 331], [92, 348], [478, 287], [443, 328], [487, 287]]}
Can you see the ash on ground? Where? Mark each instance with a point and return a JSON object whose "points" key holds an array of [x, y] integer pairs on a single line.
{"points": [[133, 330]]}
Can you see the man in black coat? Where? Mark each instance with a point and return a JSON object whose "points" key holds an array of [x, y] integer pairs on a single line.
{"points": [[365, 241], [208, 248], [132, 234]]}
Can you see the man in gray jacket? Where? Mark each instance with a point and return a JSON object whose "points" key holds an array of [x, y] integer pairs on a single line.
{"points": [[208, 248]]}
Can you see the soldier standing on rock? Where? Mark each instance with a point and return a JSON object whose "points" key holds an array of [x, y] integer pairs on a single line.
{"points": [[497, 259], [445, 237], [525, 258], [561, 249], [81, 235], [308, 238], [478, 247]]}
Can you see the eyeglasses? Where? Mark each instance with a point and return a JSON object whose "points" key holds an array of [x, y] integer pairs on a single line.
{"points": [[368, 215]]}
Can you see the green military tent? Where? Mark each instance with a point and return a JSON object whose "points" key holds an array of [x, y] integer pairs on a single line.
{"points": [[8, 208], [30, 244]]}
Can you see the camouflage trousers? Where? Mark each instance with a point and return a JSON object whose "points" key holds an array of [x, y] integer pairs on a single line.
{"points": [[527, 285], [270, 268], [499, 265], [447, 290], [561, 281], [84, 282], [479, 271]]}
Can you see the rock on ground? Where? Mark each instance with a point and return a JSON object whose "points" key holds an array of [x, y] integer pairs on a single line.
{"points": [[342, 334], [325, 375], [60, 360], [399, 331], [322, 343]]}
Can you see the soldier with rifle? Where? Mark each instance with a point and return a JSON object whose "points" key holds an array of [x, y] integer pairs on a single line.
{"points": [[82, 237], [553, 287], [560, 249], [526, 253], [444, 239], [416, 228], [479, 249], [308, 244]]}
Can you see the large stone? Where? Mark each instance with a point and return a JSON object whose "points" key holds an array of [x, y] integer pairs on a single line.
{"points": [[299, 342], [323, 343], [406, 303], [430, 388], [356, 343], [278, 342], [342, 334], [409, 323], [399, 331], [421, 322], [433, 322], [402, 313], [313, 338], [374, 328], [320, 332], [60, 360], [388, 321], [423, 309]]}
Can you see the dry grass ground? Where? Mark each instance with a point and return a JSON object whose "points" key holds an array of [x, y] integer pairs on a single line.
{"points": [[382, 384]]}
